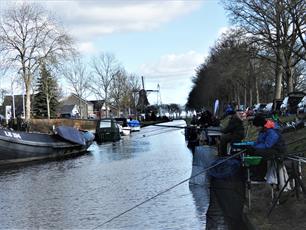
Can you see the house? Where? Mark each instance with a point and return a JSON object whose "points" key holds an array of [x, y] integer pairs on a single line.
{"points": [[99, 109], [18, 102], [69, 111], [75, 107]]}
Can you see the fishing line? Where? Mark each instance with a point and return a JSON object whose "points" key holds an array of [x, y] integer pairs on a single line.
{"points": [[152, 131], [301, 139], [153, 134], [298, 160], [188, 127], [168, 189], [295, 152], [174, 186]]}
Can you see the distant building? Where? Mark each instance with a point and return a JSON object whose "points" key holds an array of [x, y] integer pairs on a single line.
{"points": [[18, 101], [99, 109], [75, 107], [69, 111]]}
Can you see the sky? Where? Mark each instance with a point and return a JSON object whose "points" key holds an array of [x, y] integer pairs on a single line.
{"points": [[162, 40]]}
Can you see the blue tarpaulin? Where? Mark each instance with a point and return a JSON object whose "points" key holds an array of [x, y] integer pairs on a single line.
{"points": [[134, 123], [71, 134]]}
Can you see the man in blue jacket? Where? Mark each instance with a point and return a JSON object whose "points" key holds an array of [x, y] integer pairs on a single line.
{"points": [[269, 144]]}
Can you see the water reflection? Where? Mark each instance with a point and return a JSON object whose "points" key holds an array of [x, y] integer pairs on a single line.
{"points": [[85, 191], [200, 195]]}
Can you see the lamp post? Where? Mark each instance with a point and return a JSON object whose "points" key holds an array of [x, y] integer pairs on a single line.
{"points": [[13, 97], [23, 104]]}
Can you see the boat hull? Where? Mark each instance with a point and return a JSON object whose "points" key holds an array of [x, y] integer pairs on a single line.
{"points": [[107, 130], [135, 128], [126, 131], [18, 147]]}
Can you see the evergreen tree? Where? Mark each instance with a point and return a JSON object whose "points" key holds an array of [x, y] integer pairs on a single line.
{"points": [[45, 100]]}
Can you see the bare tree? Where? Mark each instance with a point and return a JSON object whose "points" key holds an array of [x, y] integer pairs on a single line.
{"points": [[105, 67], [28, 35], [297, 10], [119, 89], [273, 29], [77, 77]]}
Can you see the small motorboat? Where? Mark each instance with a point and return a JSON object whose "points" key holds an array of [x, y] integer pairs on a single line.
{"points": [[135, 125], [18, 147], [124, 129], [107, 130]]}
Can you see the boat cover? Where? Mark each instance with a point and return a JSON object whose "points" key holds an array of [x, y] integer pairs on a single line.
{"points": [[134, 123], [88, 136], [71, 134]]}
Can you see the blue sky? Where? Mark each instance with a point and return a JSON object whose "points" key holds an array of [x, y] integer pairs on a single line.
{"points": [[164, 41]]}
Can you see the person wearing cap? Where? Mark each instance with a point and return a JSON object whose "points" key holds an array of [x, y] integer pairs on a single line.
{"points": [[268, 145], [205, 119], [269, 142], [233, 132]]}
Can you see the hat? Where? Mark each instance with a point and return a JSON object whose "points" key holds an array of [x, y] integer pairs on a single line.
{"points": [[259, 120]]}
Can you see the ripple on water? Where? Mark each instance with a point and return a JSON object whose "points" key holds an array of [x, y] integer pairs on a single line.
{"points": [[85, 191]]}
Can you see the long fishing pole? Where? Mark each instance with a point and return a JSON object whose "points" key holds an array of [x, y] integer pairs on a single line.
{"points": [[168, 189], [295, 141], [217, 129]]}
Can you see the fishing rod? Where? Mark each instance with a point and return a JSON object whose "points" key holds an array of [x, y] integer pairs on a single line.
{"points": [[295, 141], [170, 126], [303, 160], [188, 127], [168, 189]]}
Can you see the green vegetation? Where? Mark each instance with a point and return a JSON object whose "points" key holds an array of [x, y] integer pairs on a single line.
{"points": [[45, 100], [262, 60]]}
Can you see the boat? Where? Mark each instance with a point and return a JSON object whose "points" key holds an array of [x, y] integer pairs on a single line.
{"points": [[107, 130], [19, 146], [124, 129], [135, 125]]}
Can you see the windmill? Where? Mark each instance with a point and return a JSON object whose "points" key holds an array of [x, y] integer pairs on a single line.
{"points": [[143, 99]]}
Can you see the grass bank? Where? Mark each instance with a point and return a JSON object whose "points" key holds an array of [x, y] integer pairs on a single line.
{"points": [[290, 212]]}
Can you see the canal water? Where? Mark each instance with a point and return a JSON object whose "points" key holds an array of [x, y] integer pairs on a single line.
{"points": [[87, 191]]}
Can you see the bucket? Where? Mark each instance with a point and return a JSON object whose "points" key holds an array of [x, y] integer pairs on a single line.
{"points": [[252, 160]]}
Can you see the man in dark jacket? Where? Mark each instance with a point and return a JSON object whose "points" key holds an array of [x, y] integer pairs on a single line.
{"points": [[233, 132], [205, 119]]}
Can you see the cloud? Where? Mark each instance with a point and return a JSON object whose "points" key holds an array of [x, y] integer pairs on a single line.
{"points": [[173, 72], [223, 30], [86, 47], [173, 65], [89, 19]]}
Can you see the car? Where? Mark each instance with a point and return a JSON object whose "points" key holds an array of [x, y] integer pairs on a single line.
{"points": [[276, 105], [258, 108], [302, 106], [290, 103], [284, 105], [268, 108]]}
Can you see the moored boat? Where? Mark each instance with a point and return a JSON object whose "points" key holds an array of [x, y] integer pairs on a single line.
{"points": [[135, 125], [124, 129], [107, 130], [18, 147]]}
